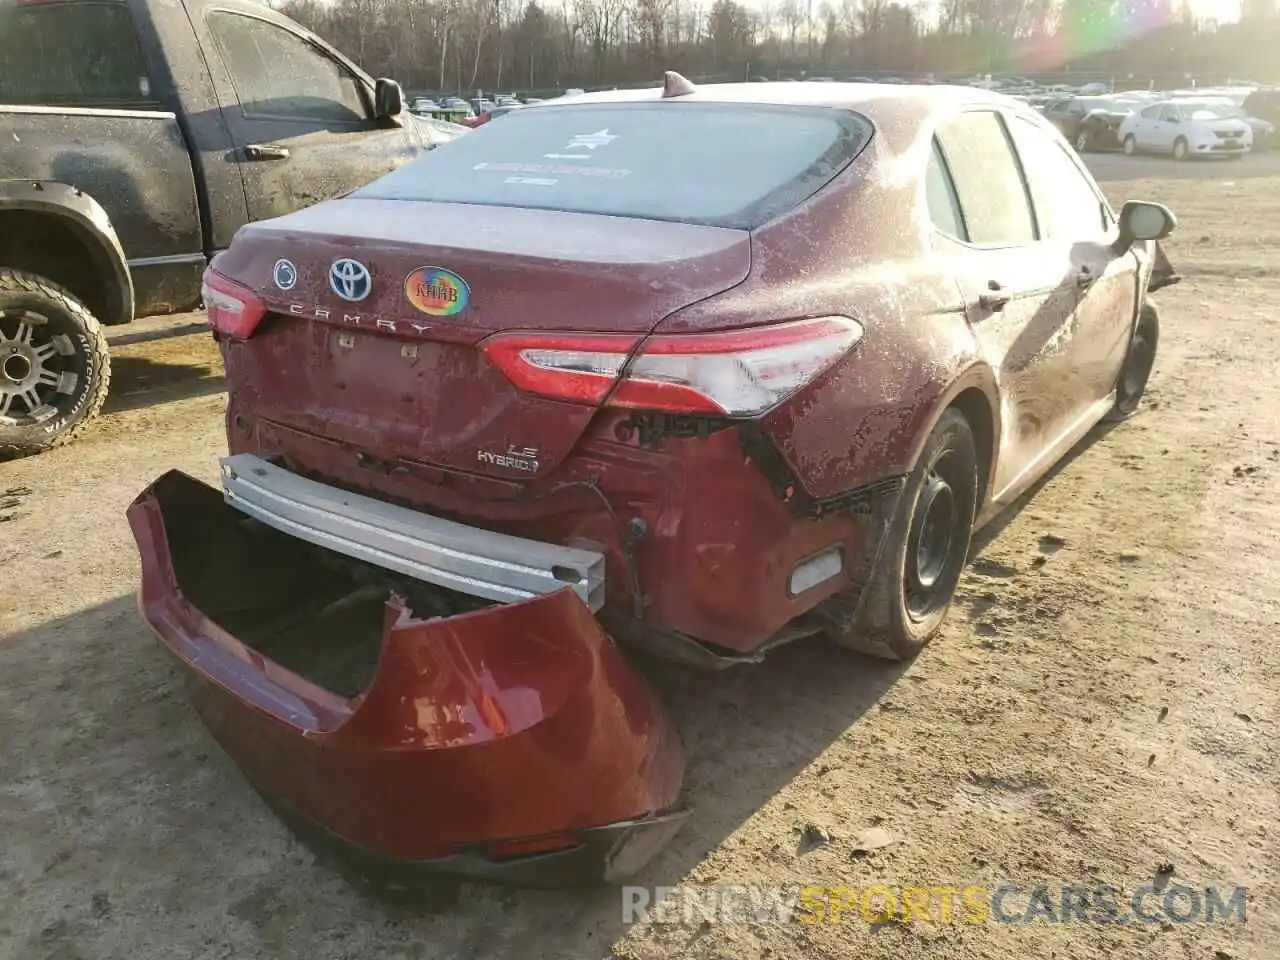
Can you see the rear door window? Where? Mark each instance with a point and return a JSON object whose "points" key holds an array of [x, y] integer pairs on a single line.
{"points": [[277, 73], [988, 179], [71, 55], [721, 164]]}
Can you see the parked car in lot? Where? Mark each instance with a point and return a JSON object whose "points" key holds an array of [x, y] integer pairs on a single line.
{"points": [[137, 137], [1264, 104], [1187, 128], [1090, 123], [492, 114], [566, 377]]}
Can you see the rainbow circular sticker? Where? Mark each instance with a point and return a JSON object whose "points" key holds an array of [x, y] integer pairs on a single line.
{"points": [[436, 291]]}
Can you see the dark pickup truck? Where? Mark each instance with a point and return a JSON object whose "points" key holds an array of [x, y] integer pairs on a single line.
{"points": [[136, 138]]}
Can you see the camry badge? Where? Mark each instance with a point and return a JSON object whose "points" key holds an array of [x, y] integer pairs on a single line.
{"points": [[285, 274], [350, 280]]}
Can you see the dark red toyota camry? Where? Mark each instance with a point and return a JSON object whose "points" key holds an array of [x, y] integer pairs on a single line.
{"points": [[700, 370]]}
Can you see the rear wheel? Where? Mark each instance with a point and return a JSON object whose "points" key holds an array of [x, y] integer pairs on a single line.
{"points": [[1130, 146], [924, 555], [54, 368], [1180, 149]]}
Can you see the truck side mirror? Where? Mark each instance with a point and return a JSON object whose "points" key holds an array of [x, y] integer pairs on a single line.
{"points": [[388, 99]]}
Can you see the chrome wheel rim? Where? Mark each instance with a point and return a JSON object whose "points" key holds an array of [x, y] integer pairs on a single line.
{"points": [[34, 368]]}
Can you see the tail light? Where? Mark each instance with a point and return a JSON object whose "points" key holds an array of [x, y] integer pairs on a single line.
{"points": [[740, 373], [233, 309]]}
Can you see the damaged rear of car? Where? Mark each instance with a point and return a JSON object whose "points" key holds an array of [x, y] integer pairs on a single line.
{"points": [[459, 443], [414, 728], [597, 372]]}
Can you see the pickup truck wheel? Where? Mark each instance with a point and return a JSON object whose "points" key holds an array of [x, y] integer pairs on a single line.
{"points": [[54, 367], [926, 548]]}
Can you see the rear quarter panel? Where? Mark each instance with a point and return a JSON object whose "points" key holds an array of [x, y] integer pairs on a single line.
{"points": [[132, 162], [860, 247]]}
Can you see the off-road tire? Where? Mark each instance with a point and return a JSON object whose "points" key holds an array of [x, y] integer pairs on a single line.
{"points": [[1139, 361], [886, 626], [57, 315]]}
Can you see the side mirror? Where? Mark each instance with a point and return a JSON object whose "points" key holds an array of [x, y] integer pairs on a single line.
{"points": [[388, 99], [1142, 220]]}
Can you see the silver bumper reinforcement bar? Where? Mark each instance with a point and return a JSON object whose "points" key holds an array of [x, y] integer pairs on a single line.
{"points": [[472, 561]]}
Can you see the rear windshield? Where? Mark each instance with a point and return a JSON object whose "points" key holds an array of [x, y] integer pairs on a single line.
{"points": [[71, 54], [732, 165]]}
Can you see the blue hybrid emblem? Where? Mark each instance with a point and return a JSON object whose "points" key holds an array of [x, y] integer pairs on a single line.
{"points": [[350, 280]]}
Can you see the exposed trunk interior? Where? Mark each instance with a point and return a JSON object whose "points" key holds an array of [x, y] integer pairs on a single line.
{"points": [[309, 610]]}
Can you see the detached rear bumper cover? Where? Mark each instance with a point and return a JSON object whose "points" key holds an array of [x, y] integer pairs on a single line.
{"points": [[509, 742]]}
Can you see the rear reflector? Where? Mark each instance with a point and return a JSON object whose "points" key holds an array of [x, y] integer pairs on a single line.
{"points": [[233, 309], [740, 373], [814, 570]]}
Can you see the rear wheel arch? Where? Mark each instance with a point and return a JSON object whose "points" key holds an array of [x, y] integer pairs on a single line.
{"points": [[975, 395], [56, 232], [976, 406]]}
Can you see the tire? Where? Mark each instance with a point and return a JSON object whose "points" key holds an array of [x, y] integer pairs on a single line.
{"points": [[1180, 149], [54, 367], [1130, 146], [912, 586], [1084, 142], [1138, 363]]}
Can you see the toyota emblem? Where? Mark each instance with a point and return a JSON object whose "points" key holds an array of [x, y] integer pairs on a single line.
{"points": [[350, 280]]}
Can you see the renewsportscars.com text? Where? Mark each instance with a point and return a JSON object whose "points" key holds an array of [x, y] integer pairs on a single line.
{"points": [[934, 903]]}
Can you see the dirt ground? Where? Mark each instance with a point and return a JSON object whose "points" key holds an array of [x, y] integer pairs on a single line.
{"points": [[1104, 700]]}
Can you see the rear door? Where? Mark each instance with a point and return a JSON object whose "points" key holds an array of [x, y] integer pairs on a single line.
{"points": [[300, 117], [1167, 129], [1020, 292], [1143, 126]]}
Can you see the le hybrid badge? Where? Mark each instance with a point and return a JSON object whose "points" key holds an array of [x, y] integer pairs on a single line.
{"points": [[350, 280]]}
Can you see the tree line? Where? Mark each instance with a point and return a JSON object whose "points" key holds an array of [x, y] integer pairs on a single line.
{"points": [[527, 45]]}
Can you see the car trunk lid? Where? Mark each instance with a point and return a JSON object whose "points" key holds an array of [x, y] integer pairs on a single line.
{"points": [[377, 308]]}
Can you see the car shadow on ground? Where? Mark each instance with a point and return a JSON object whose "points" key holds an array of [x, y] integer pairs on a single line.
{"points": [[142, 381]]}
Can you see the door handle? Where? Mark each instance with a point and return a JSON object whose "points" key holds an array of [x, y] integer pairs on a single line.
{"points": [[266, 151], [996, 297]]}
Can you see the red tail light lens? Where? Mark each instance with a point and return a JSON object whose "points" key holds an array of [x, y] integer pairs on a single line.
{"points": [[233, 309], [739, 373], [581, 367]]}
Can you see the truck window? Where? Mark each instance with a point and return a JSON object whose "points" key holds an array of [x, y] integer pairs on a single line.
{"points": [[277, 73], [71, 55]]}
